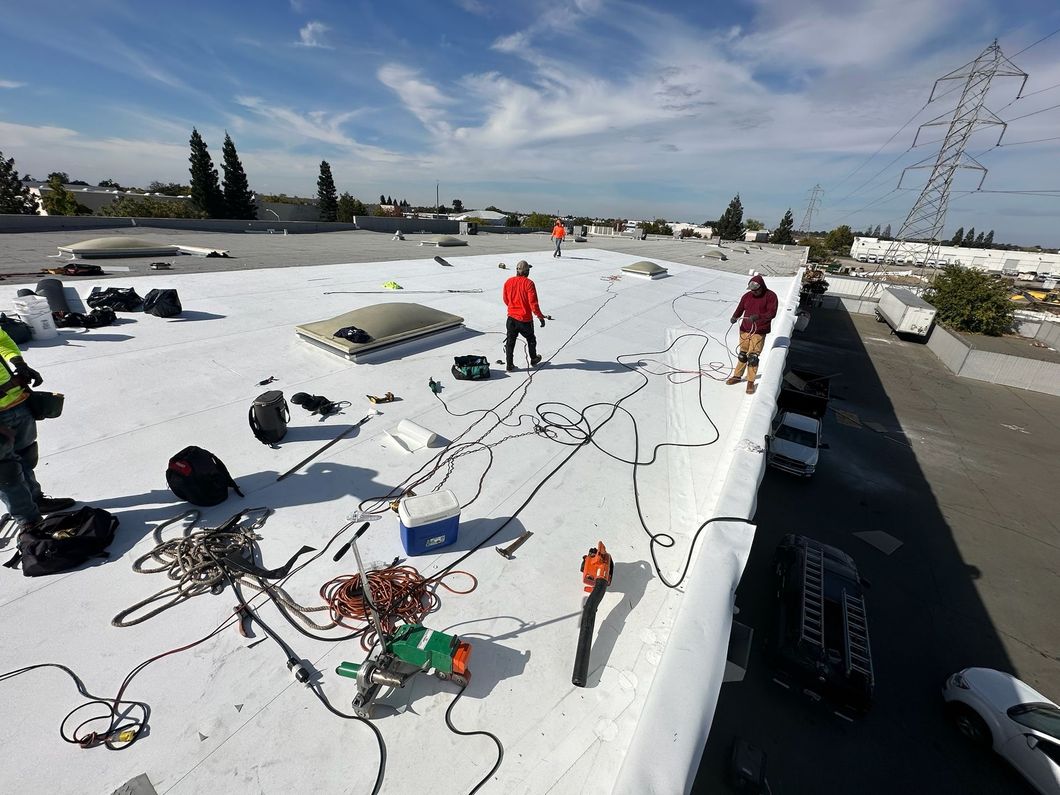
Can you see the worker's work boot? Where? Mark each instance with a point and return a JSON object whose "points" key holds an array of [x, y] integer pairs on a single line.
{"points": [[509, 368], [53, 504], [733, 380], [535, 361], [751, 387]]}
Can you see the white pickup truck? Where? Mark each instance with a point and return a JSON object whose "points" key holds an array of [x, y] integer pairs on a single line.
{"points": [[795, 444]]}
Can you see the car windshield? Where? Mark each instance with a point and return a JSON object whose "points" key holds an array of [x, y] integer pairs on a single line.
{"points": [[805, 438], [1044, 718]]}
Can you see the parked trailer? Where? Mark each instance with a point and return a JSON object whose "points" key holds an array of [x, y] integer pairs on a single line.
{"points": [[905, 312]]}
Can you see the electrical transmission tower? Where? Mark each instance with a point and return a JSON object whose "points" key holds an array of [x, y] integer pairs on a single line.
{"points": [[813, 206], [917, 240]]}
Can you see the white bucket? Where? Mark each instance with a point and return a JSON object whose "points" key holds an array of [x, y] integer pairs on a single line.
{"points": [[36, 313]]}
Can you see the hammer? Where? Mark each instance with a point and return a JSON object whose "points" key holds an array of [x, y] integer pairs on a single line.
{"points": [[509, 550]]}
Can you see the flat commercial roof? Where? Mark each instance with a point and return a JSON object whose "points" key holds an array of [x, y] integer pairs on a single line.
{"points": [[226, 714]]}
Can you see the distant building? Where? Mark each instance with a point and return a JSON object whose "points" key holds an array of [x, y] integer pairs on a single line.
{"points": [[1007, 263], [705, 232], [96, 198], [760, 236]]}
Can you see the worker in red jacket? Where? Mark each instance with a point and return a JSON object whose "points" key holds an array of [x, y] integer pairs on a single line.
{"points": [[520, 296], [758, 306]]}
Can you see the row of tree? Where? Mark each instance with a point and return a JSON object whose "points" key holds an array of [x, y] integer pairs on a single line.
{"points": [[967, 239], [731, 226]]}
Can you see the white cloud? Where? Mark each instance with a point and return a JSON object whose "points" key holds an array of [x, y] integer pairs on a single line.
{"points": [[311, 35], [473, 6], [11, 84], [424, 100]]}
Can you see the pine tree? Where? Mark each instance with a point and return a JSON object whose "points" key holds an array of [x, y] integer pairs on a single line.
{"points": [[730, 225], [979, 239], [239, 200], [327, 198], [782, 234], [958, 237], [15, 198], [887, 232], [382, 199], [988, 241], [876, 231], [969, 238], [205, 187]]}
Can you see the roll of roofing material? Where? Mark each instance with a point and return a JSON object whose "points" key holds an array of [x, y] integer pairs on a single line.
{"points": [[412, 436], [52, 289]]}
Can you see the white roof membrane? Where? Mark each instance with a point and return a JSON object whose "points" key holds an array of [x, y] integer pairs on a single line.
{"points": [[226, 714]]}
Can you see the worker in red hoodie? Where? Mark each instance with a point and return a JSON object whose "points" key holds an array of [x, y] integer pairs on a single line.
{"points": [[520, 296], [758, 306]]}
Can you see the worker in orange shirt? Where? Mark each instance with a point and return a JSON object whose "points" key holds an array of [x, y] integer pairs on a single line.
{"points": [[558, 233], [520, 296]]}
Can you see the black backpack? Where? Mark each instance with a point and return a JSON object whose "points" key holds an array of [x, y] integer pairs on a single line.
{"points": [[471, 368], [162, 303], [200, 477], [120, 299], [64, 541], [269, 416]]}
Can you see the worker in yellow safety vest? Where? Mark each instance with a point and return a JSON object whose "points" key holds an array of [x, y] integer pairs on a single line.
{"points": [[18, 440]]}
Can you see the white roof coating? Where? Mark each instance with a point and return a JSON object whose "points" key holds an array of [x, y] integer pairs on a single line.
{"points": [[226, 715]]}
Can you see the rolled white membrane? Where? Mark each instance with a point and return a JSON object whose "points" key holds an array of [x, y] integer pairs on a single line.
{"points": [[411, 437]]}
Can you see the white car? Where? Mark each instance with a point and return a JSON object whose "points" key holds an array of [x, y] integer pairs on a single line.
{"points": [[795, 444], [997, 710]]}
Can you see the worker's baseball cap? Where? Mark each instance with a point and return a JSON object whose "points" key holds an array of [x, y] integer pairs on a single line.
{"points": [[523, 264]]}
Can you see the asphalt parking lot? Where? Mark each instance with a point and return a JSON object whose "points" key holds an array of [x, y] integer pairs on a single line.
{"points": [[960, 472]]}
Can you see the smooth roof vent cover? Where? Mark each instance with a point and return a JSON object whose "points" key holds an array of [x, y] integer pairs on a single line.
{"points": [[714, 254], [386, 324], [646, 269]]}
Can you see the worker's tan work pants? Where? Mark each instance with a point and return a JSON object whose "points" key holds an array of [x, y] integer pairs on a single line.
{"points": [[750, 349]]}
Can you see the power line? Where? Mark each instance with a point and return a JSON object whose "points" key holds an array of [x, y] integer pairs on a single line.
{"points": [[1043, 38], [1034, 113]]}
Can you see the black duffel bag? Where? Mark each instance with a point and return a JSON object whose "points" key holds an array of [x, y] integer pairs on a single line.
{"points": [[120, 299], [16, 329], [162, 303], [64, 541]]}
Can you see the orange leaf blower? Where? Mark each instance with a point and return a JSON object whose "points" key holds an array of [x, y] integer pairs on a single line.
{"points": [[597, 570]]}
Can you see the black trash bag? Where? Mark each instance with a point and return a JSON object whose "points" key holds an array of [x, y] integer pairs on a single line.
{"points": [[200, 477], [120, 299], [353, 334], [162, 303], [269, 416]]}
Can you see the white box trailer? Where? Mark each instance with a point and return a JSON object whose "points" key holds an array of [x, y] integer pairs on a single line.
{"points": [[905, 312]]}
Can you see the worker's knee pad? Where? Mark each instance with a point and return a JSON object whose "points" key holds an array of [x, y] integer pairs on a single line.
{"points": [[742, 356], [10, 472], [752, 360]]}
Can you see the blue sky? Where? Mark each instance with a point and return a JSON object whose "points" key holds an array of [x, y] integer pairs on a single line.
{"points": [[599, 107]]}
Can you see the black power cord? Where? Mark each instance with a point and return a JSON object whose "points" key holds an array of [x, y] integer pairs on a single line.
{"points": [[475, 733]]}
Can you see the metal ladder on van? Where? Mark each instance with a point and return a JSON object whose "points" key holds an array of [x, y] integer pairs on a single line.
{"points": [[812, 630], [856, 636]]}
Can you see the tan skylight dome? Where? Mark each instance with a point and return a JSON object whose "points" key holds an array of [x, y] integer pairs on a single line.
{"points": [[124, 246], [385, 324], [646, 269]]}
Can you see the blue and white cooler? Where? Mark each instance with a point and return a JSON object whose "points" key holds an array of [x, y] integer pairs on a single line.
{"points": [[429, 521]]}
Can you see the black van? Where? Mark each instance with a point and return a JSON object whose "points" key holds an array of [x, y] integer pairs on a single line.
{"points": [[822, 637]]}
